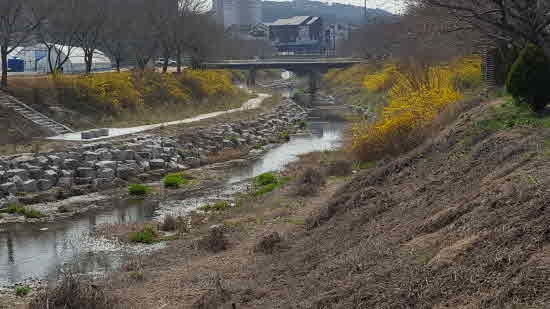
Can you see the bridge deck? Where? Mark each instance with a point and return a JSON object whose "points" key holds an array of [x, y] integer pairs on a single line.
{"points": [[326, 63]]}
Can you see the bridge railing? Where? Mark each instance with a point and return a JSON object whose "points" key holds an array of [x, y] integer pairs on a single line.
{"points": [[286, 60]]}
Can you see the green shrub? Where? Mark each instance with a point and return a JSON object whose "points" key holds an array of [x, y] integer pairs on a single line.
{"points": [[22, 291], [27, 212], [528, 78], [175, 180], [265, 179], [219, 206], [137, 189], [265, 189], [147, 235]]}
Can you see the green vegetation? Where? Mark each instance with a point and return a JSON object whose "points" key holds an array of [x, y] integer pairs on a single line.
{"points": [[509, 115], [137, 189], [219, 206], [22, 291], [146, 236], [24, 211], [267, 182], [136, 275], [265, 179], [528, 78], [175, 180]]}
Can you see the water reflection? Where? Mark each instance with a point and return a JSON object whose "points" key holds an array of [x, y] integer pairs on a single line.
{"points": [[28, 253]]}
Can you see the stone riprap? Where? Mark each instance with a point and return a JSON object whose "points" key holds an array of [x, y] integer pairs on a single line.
{"points": [[102, 165]]}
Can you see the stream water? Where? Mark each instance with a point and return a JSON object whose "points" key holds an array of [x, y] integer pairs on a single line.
{"points": [[31, 252]]}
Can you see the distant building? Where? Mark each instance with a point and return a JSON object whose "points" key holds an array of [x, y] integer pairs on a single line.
{"points": [[298, 35], [237, 14], [35, 59]]}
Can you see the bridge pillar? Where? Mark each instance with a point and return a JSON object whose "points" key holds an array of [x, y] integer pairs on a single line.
{"points": [[314, 84], [251, 81]]}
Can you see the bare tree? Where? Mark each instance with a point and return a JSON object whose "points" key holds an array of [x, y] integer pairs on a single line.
{"points": [[18, 21], [58, 31], [92, 15], [115, 38], [512, 21]]}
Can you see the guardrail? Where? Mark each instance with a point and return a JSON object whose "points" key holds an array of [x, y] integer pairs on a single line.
{"points": [[289, 60]]}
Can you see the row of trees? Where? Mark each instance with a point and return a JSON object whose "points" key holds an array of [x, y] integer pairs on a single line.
{"points": [[127, 30]]}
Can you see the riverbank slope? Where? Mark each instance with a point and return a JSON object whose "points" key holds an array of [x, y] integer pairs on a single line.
{"points": [[460, 222]]}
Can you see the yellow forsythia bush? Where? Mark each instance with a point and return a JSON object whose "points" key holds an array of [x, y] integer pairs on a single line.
{"points": [[381, 80], [414, 100], [114, 92], [350, 77]]}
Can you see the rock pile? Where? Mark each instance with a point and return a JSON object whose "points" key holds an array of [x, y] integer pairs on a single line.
{"points": [[101, 164]]}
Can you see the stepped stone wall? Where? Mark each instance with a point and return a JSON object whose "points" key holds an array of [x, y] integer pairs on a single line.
{"points": [[102, 165]]}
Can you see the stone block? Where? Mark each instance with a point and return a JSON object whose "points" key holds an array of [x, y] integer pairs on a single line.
{"points": [[157, 164], [8, 188], [79, 181], [29, 186], [126, 172], [36, 173], [51, 175], [103, 183], [90, 156], [106, 164], [70, 164], [65, 182], [55, 160], [45, 184], [106, 173], [66, 173], [85, 172], [21, 173]]}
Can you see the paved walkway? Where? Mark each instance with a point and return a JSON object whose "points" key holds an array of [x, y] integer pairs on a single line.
{"points": [[115, 132]]}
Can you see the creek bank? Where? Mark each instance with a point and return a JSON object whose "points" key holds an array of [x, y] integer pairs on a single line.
{"points": [[93, 167]]}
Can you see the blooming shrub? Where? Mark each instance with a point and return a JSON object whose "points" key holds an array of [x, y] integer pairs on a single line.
{"points": [[414, 100], [350, 77], [381, 80], [115, 92]]}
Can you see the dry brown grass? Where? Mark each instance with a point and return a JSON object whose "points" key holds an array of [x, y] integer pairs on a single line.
{"points": [[225, 155], [121, 231]]}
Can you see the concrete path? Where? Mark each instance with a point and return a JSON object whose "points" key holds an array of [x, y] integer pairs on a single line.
{"points": [[115, 132]]}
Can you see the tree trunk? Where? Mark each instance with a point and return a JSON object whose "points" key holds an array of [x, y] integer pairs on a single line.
{"points": [[117, 64], [4, 52], [88, 58], [165, 65], [178, 59]]}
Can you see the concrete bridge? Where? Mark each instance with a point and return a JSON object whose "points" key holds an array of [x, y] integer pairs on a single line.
{"points": [[314, 67]]}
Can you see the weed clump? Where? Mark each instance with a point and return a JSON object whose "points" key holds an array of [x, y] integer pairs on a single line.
{"points": [[309, 182], [146, 236], [175, 180], [22, 291], [24, 211], [139, 190], [218, 206], [72, 292]]}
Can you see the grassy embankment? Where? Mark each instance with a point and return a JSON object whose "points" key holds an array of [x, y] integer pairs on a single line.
{"points": [[129, 98]]}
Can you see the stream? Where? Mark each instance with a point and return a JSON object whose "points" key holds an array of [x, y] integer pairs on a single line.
{"points": [[36, 252]]}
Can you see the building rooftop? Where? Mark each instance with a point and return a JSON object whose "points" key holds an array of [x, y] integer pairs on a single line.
{"points": [[292, 21]]}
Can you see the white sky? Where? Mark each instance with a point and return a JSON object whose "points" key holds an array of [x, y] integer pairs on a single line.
{"points": [[389, 5]]}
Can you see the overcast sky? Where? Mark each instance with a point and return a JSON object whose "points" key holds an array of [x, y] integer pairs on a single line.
{"points": [[390, 5]]}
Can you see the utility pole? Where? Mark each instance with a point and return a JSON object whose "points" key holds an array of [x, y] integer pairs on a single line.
{"points": [[365, 11]]}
